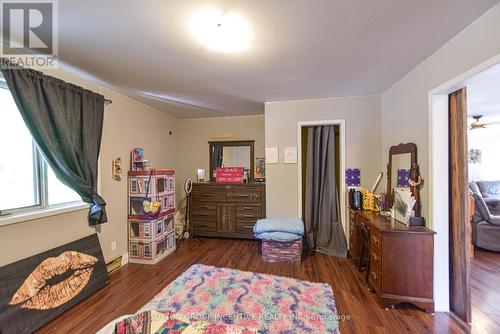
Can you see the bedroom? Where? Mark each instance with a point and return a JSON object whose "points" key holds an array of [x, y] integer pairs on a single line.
{"points": [[184, 76]]}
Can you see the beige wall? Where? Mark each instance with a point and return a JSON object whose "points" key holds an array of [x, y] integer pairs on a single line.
{"points": [[196, 133], [127, 123], [405, 118], [362, 119]]}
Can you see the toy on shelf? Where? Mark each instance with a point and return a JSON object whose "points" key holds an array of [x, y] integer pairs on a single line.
{"points": [[151, 215], [137, 161]]}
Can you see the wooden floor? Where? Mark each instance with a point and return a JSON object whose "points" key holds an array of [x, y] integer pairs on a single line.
{"points": [[134, 285], [485, 288]]}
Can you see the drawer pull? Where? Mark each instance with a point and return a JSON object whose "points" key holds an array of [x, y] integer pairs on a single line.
{"points": [[208, 195], [247, 208], [203, 214], [203, 207], [248, 227], [242, 195], [203, 225], [248, 216]]}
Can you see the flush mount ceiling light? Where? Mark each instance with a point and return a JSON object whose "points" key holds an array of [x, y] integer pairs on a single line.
{"points": [[225, 32]]}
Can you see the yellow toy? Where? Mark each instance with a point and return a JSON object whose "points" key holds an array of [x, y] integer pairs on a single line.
{"points": [[370, 201]]}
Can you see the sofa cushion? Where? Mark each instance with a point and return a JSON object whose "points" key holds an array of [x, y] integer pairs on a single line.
{"points": [[486, 236], [481, 207], [489, 189], [475, 189], [484, 211]]}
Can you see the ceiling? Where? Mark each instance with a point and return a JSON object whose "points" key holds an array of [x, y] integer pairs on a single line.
{"points": [[483, 94], [299, 50]]}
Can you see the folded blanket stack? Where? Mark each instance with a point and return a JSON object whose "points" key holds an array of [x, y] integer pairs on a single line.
{"points": [[283, 230]]}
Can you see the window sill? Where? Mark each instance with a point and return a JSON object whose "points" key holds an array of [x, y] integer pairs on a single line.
{"points": [[54, 211]]}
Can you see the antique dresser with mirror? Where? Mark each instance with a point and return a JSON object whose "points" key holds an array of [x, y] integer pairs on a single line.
{"points": [[398, 258], [228, 210]]}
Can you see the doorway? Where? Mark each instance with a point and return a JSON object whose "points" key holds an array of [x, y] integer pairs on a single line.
{"points": [[302, 128], [473, 131]]}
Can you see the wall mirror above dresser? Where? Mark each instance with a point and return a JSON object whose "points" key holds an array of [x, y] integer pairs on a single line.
{"points": [[237, 153], [228, 209], [403, 173]]}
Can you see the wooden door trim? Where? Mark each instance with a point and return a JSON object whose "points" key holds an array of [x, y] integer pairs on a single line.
{"points": [[460, 299]]}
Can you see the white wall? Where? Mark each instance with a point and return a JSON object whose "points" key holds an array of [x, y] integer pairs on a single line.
{"points": [[488, 142], [362, 121], [406, 118]]}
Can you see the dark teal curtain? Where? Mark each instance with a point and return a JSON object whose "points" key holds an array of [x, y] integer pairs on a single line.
{"points": [[66, 124]]}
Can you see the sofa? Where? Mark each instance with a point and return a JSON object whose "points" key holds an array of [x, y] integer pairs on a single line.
{"points": [[486, 219]]}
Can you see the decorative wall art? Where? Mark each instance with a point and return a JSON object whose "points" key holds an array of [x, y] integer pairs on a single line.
{"points": [[37, 289], [403, 178], [290, 155], [272, 156], [475, 156], [353, 177]]}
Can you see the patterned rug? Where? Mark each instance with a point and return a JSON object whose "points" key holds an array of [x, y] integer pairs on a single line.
{"points": [[274, 304]]}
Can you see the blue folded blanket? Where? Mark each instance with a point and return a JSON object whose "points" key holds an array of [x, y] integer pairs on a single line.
{"points": [[278, 236], [292, 226]]}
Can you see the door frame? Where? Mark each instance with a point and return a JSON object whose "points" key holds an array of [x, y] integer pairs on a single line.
{"points": [[342, 135], [438, 107], [460, 290]]}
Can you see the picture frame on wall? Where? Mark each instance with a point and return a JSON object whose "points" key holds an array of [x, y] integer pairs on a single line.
{"points": [[272, 156]]}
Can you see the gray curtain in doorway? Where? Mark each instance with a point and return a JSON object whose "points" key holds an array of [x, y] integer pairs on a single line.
{"points": [[324, 232]]}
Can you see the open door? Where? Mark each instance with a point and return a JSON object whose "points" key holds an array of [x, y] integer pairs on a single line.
{"points": [[460, 300]]}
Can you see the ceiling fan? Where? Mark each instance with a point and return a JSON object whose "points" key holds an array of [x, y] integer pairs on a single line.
{"points": [[477, 124]]}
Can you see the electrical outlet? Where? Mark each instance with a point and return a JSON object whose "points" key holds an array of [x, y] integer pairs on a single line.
{"points": [[113, 246]]}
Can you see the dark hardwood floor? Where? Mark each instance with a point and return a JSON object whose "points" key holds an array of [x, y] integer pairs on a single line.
{"points": [[134, 285], [485, 286]]}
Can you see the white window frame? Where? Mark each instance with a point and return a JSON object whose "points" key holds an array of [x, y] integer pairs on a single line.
{"points": [[42, 208]]}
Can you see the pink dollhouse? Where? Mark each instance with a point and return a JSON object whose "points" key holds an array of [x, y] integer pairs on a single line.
{"points": [[151, 239]]}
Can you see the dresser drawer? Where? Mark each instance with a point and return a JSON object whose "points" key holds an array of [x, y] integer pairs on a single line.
{"points": [[204, 225], [205, 210], [209, 194], [245, 227], [375, 279], [244, 195], [249, 211], [375, 239], [375, 256]]}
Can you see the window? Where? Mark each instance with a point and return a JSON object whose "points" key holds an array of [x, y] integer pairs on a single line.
{"points": [[26, 181]]}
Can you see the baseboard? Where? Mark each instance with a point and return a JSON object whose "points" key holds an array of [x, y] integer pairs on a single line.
{"points": [[466, 327], [124, 259]]}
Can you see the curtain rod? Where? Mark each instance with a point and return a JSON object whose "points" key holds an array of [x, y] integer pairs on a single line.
{"points": [[3, 84]]}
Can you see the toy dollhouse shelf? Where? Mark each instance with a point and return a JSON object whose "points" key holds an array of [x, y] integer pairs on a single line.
{"points": [[151, 239]]}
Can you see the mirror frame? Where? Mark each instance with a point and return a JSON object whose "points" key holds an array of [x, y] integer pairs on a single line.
{"points": [[402, 149], [250, 143]]}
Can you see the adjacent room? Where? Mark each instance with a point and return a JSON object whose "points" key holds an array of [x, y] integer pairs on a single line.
{"points": [[483, 138], [249, 166]]}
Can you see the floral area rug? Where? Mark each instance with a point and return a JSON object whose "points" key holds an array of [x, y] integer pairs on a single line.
{"points": [[272, 304]]}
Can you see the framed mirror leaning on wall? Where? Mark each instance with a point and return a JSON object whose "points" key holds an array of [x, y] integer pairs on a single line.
{"points": [[403, 174], [236, 153]]}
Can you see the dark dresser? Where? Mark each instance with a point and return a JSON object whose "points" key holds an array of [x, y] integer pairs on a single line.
{"points": [[400, 258], [227, 210]]}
